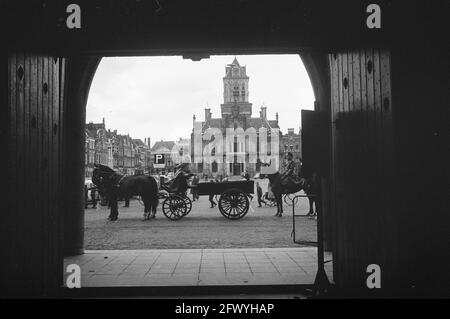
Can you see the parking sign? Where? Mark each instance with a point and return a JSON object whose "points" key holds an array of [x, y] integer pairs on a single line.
{"points": [[158, 160]]}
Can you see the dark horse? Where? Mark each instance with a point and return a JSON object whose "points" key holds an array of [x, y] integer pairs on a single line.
{"points": [[309, 186], [115, 185]]}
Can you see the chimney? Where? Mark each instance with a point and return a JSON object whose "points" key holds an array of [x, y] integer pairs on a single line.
{"points": [[276, 116], [207, 114], [290, 131], [263, 112], [148, 141]]}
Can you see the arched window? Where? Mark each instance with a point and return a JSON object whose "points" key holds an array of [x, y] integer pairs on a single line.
{"points": [[236, 91]]}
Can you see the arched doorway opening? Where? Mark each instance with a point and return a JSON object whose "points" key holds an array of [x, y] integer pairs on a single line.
{"points": [[38, 41], [89, 75]]}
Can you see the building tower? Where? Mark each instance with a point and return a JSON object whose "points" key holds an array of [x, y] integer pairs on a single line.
{"points": [[235, 90]]}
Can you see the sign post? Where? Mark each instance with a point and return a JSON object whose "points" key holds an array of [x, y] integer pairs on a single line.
{"points": [[159, 161]]}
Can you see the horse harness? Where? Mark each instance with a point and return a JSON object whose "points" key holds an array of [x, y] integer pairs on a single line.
{"points": [[120, 180]]}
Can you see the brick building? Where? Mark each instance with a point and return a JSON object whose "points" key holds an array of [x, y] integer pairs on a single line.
{"points": [[120, 152]]}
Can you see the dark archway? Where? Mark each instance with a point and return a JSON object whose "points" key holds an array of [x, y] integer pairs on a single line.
{"points": [[81, 70], [33, 90]]}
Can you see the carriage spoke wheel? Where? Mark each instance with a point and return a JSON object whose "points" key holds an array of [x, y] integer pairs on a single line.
{"points": [[233, 204], [174, 207], [188, 202]]}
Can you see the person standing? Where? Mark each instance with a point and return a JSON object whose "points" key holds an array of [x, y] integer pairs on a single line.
{"points": [[211, 198], [270, 194], [259, 194], [94, 197], [246, 175], [194, 191]]}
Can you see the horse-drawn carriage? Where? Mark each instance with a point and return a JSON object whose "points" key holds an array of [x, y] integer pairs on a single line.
{"points": [[233, 201], [234, 197]]}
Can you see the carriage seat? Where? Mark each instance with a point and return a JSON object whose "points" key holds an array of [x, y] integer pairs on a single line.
{"points": [[174, 188]]}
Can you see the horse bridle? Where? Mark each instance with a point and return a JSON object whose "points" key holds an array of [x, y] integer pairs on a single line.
{"points": [[111, 175]]}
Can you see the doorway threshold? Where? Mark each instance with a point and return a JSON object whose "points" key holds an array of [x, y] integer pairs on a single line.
{"points": [[157, 268]]}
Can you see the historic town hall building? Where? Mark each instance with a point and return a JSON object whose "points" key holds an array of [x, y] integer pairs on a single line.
{"points": [[236, 112]]}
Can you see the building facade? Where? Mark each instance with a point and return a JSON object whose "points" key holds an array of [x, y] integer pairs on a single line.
{"points": [[236, 113], [291, 143], [120, 152], [142, 156], [102, 142]]}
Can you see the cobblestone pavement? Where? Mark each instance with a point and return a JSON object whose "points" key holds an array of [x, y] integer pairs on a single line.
{"points": [[203, 228]]}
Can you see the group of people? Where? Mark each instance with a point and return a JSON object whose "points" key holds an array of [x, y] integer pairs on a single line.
{"points": [[267, 196], [290, 174], [195, 182]]}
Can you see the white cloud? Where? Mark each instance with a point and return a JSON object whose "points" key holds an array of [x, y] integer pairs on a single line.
{"points": [[156, 96]]}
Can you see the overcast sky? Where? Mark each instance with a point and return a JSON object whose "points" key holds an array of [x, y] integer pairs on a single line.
{"points": [[156, 96]]}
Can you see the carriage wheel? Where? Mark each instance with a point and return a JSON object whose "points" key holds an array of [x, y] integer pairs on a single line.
{"points": [[188, 202], [289, 199], [233, 204], [174, 207]]}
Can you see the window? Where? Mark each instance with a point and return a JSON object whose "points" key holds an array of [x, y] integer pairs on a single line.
{"points": [[236, 91]]}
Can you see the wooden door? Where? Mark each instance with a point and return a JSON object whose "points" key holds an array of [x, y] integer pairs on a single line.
{"points": [[31, 227], [362, 157]]}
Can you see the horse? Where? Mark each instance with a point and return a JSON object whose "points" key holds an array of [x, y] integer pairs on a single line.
{"points": [[309, 186], [114, 185]]}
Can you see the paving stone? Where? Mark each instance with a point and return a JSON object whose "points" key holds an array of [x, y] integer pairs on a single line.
{"points": [[182, 268]]}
